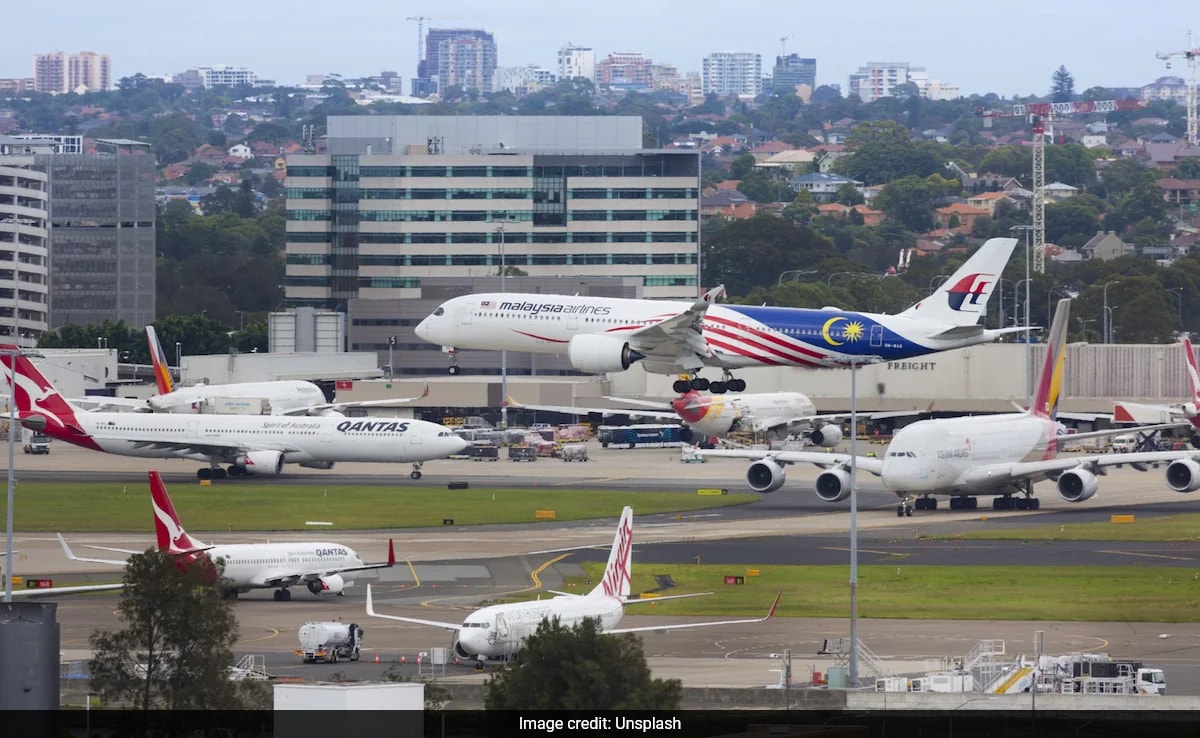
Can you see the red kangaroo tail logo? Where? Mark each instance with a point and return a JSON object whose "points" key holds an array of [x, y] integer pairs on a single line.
{"points": [[1193, 372], [171, 535], [36, 396], [616, 573]]}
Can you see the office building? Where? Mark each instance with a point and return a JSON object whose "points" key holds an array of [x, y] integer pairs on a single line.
{"points": [[732, 73], [88, 71], [877, 79], [626, 70], [101, 212], [225, 76], [577, 61], [398, 200], [523, 80], [794, 75], [24, 245], [50, 73], [474, 62]]}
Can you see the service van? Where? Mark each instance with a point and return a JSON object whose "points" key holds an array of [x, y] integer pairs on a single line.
{"points": [[1124, 444]]}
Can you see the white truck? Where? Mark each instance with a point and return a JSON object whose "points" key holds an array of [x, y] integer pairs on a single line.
{"points": [[328, 642]]}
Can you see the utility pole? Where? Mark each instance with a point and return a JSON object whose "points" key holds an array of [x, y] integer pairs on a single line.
{"points": [[391, 361]]}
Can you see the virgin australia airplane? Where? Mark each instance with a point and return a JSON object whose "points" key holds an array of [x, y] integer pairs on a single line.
{"points": [[972, 456], [602, 334]]}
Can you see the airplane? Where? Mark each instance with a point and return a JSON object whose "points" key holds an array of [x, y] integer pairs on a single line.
{"points": [[1188, 412], [972, 456], [250, 444], [322, 567], [601, 335], [709, 417], [499, 631], [284, 396]]}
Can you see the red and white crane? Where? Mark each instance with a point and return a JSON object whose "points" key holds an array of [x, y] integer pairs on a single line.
{"points": [[1037, 115], [1190, 53]]}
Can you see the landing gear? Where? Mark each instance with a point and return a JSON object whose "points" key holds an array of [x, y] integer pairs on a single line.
{"points": [[235, 471], [453, 368], [964, 503], [416, 472], [928, 503], [212, 472], [282, 595], [727, 383], [904, 509], [204, 473]]}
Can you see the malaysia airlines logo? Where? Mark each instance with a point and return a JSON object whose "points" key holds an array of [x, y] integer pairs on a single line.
{"points": [[968, 291]]}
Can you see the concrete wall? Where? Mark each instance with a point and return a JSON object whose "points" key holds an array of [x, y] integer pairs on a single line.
{"points": [[232, 368]]}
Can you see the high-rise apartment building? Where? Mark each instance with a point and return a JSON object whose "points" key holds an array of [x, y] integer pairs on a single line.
{"points": [[732, 73], [523, 80], [50, 73], [577, 61], [223, 75], [88, 71], [627, 70], [24, 245], [793, 74], [430, 70], [877, 79], [466, 62]]}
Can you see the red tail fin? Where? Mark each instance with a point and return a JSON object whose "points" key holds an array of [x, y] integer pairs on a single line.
{"points": [[36, 396], [1193, 372], [171, 535]]}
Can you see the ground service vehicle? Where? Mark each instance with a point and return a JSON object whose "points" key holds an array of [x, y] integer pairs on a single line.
{"points": [[630, 436], [329, 642], [39, 444], [522, 453], [574, 452]]}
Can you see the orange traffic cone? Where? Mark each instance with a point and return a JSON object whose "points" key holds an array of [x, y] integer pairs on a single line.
{"points": [[418, 659], [377, 658], [403, 660]]}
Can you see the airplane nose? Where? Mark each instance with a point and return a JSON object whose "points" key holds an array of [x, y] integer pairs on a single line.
{"points": [[458, 444], [422, 329]]}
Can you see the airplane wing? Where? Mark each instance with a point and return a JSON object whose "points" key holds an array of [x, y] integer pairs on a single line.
{"points": [[681, 626], [650, 404], [310, 576], [680, 334], [641, 600], [868, 464], [71, 555], [55, 591], [433, 623], [1136, 412], [1024, 470], [1120, 431], [605, 411], [99, 403], [338, 406]]}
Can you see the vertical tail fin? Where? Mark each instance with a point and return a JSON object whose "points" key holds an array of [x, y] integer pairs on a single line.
{"points": [[616, 574], [35, 394], [171, 535], [162, 370], [1045, 402], [963, 299], [1193, 372]]}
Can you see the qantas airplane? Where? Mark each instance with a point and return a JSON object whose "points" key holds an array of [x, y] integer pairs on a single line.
{"points": [[967, 457], [499, 631], [249, 444], [321, 567], [284, 396], [602, 335], [710, 417], [1188, 412]]}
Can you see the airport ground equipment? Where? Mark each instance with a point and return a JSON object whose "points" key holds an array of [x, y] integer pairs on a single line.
{"points": [[39, 444], [574, 452], [330, 642]]}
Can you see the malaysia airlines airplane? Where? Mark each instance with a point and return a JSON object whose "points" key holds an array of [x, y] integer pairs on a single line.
{"points": [[284, 396], [322, 567], [709, 417], [1188, 412], [249, 444], [499, 631], [966, 457], [601, 335]]}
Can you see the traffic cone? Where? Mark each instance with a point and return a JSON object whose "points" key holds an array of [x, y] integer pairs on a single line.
{"points": [[377, 658], [403, 660], [418, 659]]}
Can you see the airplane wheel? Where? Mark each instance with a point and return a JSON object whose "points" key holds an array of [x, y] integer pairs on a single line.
{"points": [[218, 473], [908, 512], [717, 388], [277, 595], [235, 471], [700, 384], [415, 475], [899, 511], [285, 595], [453, 369], [681, 386], [1035, 503], [737, 385], [972, 503], [204, 473]]}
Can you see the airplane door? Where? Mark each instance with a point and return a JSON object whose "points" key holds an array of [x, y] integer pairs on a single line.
{"points": [[414, 437], [572, 322], [468, 311], [501, 625], [876, 335], [327, 434], [193, 429]]}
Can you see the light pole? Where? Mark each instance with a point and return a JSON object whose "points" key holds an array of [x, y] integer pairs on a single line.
{"points": [[178, 361], [798, 273], [854, 363], [12, 355], [938, 279], [1017, 303], [1108, 313], [503, 354], [1177, 293]]}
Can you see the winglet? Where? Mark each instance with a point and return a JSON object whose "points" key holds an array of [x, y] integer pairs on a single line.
{"points": [[425, 393], [370, 602], [714, 294], [391, 553]]}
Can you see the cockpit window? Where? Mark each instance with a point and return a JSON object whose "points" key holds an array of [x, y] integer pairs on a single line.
{"points": [[439, 311]]}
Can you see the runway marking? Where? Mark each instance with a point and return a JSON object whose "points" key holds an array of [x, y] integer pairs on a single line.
{"points": [[1103, 642], [1149, 555], [577, 482], [274, 633], [413, 569], [533, 575], [862, 550]]}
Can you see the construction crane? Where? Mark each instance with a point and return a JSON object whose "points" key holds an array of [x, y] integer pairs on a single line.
{"points": [[420, 19], [783, 46], [1190, 53], [1038, 114]]}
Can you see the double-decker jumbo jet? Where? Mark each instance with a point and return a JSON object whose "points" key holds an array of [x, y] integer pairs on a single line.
{"points": [[967, 457], [322, 567], [708, 417], [602, 335], [283, 396], [249, 444], [499, 631]]}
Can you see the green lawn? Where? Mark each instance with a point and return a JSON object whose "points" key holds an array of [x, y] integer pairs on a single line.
{"points": [[1159, 528], [116, 507], [1064, 593]]}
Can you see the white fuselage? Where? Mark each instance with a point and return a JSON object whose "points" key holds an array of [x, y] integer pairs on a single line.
{"points": [[302, 439], [738, 335], [252, 565], [281, 396], [717, 415], [501, 630], [946, 455]]}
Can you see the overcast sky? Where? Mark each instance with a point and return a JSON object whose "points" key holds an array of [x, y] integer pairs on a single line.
{"points": [[1002, 47]]}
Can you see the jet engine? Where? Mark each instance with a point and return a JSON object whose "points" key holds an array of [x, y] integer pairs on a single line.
{"points": [[833, 485], [765, 476], [328, 585], [316, 464], [461, 652], [1077, 485], [596, 354], [1183, 475], [1190, 409], [827, 436], [267, 463]]}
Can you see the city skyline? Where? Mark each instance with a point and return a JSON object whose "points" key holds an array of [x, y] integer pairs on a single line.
{"points": [[1029, 42]]}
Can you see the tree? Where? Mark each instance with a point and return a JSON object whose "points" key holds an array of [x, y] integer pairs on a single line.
{"points": [[1062, 85], [176, 647], [908, 201], [580, 668], [848, 194], [742, 166]]}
